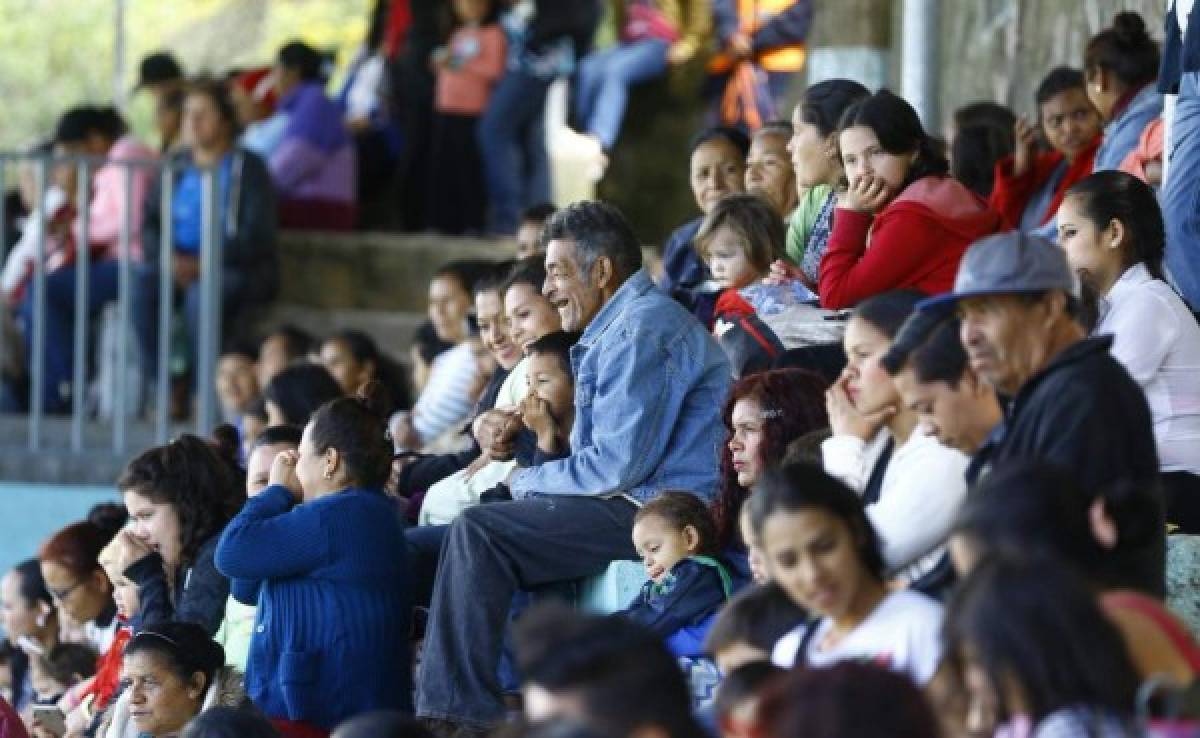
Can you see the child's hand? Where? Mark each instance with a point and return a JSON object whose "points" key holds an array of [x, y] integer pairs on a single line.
{"points": [[782, 272], [535, 413]]}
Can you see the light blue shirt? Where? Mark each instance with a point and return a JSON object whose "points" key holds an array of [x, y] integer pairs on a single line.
{"points": [[649, 386]]}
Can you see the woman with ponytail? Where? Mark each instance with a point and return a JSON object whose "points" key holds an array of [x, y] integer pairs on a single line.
{"points": [[30, 622], [179, 497], [70, 564], [1112, 231], [325, 550], [901, 200]]}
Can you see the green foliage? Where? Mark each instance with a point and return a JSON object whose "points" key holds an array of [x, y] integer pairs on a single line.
{"points": [[58, 53]]}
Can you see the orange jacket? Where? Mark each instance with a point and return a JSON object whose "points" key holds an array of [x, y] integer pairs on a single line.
{"points": [[777, 30]]}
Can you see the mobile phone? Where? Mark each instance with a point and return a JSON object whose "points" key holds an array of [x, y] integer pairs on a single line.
{"points": [[50, 718]]}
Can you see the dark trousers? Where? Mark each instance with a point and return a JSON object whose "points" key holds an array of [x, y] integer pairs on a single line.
{"points": [[235, 295], [1181, 491], [458, 196], [490, 553], [60, 326]]}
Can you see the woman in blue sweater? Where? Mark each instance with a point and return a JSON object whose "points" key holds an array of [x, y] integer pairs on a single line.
{"points": [[321, 552]]}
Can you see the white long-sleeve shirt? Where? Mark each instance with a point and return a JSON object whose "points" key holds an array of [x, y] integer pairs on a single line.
{"points": [[446, 400], [1157, 340], [923, 488]]}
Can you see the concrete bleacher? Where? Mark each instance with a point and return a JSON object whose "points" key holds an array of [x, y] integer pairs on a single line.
{"points": [[374, 282]]}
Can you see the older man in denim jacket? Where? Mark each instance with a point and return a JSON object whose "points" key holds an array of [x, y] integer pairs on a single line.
{"points": [[649, 386]]}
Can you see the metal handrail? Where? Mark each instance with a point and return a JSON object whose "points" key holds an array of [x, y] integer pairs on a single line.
{"points": [[209, 328]]}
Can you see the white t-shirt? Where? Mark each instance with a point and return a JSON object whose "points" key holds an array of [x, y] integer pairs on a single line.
{"points": [[902, 633], [923, 488], [1157, 340]]}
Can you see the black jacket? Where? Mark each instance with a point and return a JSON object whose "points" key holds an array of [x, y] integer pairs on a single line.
{"points": [[248, 233], [1082, 412], [200, 591]]}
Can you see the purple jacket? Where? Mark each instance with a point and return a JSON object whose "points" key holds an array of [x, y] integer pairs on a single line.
{"points": [[316, 159]]}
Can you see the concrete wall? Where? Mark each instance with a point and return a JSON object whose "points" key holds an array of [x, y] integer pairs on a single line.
{"points": [[1000, 49]]}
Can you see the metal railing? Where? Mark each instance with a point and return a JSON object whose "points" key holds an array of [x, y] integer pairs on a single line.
{"points": [[209, 322]]}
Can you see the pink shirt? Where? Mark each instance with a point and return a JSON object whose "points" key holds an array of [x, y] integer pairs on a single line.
{"points": [[477, 55], [106, 214]]}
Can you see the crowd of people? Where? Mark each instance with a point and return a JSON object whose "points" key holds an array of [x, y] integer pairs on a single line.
{"points": [[439, 124], [953, 522]]}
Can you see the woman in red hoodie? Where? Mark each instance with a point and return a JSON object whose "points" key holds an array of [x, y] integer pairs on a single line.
{"points": [[1029, 186], [904, 223]]}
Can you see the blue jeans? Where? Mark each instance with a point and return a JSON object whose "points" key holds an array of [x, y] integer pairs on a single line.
{"points": [[1180, 195], [60, 326], [604, 81], [490, 553], [512, 141], [234, 295]]}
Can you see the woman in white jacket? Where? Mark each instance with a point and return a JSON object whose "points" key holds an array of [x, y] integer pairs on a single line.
{"points": [[911, 484], [174, 671]]}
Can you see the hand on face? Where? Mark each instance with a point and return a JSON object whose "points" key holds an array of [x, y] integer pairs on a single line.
{"points": [[1026, 138], [845, 418], [130, 549], [283, 472], [867, 194], [535, 414]]}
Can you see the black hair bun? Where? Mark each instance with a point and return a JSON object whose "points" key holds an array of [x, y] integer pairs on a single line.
{"points": [[109, 517], [1130, 28], [226, 441], [375, 397]]}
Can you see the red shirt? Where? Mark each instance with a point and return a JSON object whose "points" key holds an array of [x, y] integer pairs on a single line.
{"points": [[915, 242]]}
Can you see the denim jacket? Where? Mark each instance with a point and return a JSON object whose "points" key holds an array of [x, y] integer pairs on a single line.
{"points": [[649, 385], [1122, 134]]}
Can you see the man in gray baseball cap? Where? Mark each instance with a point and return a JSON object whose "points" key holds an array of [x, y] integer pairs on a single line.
{"points": [[1070, 403]]}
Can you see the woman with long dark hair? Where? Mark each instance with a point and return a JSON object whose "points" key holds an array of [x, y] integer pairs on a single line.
{"points": [[918, 220], [911, 484], [823, 551], [1112, 230], [30, 622], [1030, 645], [819, 174], [179, 497]]}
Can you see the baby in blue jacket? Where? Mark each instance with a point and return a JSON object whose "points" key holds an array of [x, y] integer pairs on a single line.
{"points": [[676, 537]]}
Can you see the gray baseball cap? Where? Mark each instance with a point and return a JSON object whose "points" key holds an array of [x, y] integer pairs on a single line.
{"points": [[1007, 263]]}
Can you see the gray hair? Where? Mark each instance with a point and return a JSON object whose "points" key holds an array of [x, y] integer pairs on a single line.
{"points": [[597, 229]]}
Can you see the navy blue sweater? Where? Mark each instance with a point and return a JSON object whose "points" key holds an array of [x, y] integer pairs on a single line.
{"points": [[330, 636]]}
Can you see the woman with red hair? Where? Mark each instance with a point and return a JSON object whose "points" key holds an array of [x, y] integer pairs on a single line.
{"points": [[764, 413], [70, 566]]}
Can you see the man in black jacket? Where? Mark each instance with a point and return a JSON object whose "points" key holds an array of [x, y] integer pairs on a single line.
{"points": [[1070, 402]]}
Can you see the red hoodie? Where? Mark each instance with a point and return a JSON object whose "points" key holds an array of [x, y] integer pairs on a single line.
{"points": [[915, 242]]}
